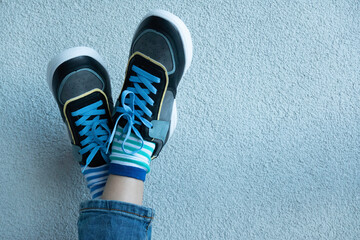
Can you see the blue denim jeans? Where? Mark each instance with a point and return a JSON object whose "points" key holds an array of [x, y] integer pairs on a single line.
{"points": [[104, 219]]}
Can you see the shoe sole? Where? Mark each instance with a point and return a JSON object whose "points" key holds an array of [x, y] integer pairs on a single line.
{"points": [[188, 48], [67, 55], [182, 29]]}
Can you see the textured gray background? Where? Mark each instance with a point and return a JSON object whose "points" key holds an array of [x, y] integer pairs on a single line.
{"points": [[267, 145]]}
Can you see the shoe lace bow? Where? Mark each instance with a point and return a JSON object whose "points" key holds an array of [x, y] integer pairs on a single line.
{"points": [[129, 100]]}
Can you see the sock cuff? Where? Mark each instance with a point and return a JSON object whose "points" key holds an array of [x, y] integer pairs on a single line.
{"points": [[127, 171]]}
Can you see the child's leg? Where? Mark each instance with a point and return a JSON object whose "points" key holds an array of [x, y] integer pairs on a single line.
{"points": [[145, 116], [124, 189]]}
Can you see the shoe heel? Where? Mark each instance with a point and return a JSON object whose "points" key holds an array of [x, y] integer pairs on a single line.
{"points": [[183, 30], [67, 55]]}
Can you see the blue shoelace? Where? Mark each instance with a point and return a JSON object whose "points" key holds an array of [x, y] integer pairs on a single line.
{"points": [[130, 99], [96, 131]]}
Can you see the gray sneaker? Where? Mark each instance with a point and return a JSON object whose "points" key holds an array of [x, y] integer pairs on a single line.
{"points": [[81, 87], [160, 54]]}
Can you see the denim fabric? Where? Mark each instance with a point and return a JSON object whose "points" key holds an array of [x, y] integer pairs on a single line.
{"points": [[104, 219]]}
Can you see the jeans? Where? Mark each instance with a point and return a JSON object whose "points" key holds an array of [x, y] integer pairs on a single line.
{"points": [[105, 219]]}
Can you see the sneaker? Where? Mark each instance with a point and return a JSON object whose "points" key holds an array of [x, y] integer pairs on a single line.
{"points": [[81, 87], [145, 114]]}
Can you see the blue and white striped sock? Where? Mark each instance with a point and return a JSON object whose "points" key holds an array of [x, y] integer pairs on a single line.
{"points": [[96, 178], [133, 165]]}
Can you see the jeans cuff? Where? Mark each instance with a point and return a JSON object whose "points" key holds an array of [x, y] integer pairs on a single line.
{"points": [[117, 207]]}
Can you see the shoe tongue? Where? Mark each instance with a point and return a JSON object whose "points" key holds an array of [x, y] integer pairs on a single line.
{"points": [[76, 104], [154, 68]]}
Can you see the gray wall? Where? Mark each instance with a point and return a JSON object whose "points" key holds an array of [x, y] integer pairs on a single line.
{"points": [[267, 144]]}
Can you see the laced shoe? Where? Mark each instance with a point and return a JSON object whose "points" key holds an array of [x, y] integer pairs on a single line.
{"points": [[145, 113], [81, 87]]}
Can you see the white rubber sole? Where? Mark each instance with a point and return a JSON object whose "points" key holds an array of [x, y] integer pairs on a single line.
{"points": [[188, 47], [67, 55], [173, 119], [183, 30]]}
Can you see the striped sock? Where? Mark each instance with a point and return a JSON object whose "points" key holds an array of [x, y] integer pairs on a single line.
{"points": [[96, 178], [127, 164]]}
